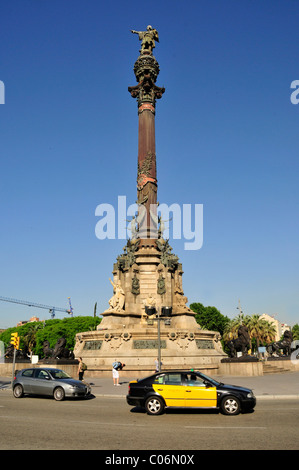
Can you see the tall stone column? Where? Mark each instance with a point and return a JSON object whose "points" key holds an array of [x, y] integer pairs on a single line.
{"points": [[146, 70], [147, 276]]}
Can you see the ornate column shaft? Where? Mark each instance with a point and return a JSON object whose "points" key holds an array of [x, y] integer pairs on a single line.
{"points": [[146, 70]]}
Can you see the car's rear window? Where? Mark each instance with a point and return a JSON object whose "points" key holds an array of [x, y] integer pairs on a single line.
{"points": [[169, 379], [172, 379], [28, 373]]}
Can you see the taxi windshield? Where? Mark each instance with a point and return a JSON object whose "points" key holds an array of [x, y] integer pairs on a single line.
{"points": [[209, 379]]}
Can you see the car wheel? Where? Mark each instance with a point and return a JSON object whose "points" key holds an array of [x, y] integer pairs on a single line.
{"points": [[59, 394], [154, 406], [230, 406], [18, 391]]}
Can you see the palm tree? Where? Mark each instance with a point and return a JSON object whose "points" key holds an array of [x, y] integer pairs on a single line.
{"points": [[30, 337], [269, 332], [231, 328], [229, 331], [256, 327]]}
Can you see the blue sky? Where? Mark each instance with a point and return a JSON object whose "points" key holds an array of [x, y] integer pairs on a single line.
{"points": [[226, 137]]}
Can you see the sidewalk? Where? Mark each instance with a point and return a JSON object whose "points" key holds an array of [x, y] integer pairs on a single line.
{"points": [[271, 386]]}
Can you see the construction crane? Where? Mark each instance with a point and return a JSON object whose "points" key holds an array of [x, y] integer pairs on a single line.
{"points": [[51, 309], [71, 308]]}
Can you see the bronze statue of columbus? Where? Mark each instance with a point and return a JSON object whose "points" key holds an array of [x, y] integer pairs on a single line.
{"points": [[147, 39]]}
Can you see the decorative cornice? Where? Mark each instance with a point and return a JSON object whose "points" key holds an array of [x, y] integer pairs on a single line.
{"points": [[146, 106]]}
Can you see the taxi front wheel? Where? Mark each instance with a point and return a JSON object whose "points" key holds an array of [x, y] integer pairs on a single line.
{"points": [[154, 406], [230, 406]]}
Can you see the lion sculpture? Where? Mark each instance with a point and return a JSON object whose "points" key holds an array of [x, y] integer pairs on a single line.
{"points": [[285, 345], [59, 351], [241, 344], [47, 350]]}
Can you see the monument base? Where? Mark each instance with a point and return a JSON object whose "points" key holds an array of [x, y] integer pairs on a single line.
{"points": [[59, 363], [246, 358], [147, 282], [279, 358], [9, 360], [136, 345]]}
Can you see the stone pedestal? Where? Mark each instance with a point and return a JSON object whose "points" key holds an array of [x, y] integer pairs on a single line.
{"points": [[149, 276], [137, 347]]}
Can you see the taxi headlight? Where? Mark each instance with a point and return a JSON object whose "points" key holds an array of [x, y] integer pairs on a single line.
{"points": [[250, 395]]}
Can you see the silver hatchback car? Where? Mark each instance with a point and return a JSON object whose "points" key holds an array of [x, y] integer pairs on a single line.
{"points": [[47, 381]]}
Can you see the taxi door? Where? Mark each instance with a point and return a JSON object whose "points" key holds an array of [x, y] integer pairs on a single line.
{"points": [[198, 395], [171, 389]]}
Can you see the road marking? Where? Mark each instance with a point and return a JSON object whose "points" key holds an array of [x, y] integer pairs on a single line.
{"points": [[111, 424], [226, 427], [186, 427]]}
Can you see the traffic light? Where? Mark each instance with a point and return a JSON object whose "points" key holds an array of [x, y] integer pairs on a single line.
{"points": [[15, 340]]}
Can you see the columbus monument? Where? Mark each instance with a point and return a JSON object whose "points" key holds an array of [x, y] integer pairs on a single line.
{"points": [[147, 313]]}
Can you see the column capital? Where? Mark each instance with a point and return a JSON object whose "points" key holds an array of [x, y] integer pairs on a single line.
{"points": [[146, 70]]}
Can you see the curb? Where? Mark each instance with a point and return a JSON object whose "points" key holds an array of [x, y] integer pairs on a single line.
{"points": [[107, 395], [277, 397]]}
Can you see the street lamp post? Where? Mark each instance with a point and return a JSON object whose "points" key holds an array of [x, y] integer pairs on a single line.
{"points": [[158, 319], [159, 340]]}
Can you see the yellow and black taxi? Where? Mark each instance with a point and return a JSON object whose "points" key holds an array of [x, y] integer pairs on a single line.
{"points": [[188, 389]]}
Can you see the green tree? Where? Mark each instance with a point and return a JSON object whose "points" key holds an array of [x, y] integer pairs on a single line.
{"points": [[66, 328], [34, 334], [257, 327], [5, 335], [209, 318], [295, 332], [269, 332], [232, 327], [29, 334]]}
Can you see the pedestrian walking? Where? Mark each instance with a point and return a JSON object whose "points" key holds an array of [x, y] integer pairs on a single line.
{"points": [[81, 368]]}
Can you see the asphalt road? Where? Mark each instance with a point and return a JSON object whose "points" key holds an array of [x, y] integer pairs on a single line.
{"points": [[108, 423]]}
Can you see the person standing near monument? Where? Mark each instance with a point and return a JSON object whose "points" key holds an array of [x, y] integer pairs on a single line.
{"points": [[116, 367], [81, 368]]}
